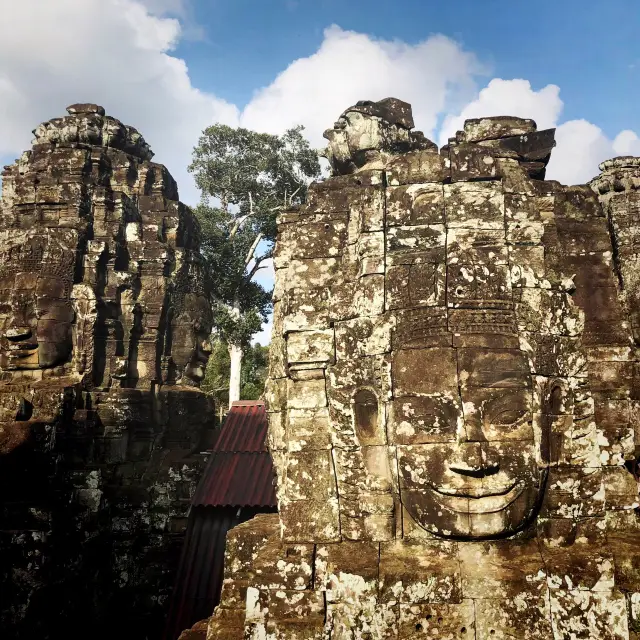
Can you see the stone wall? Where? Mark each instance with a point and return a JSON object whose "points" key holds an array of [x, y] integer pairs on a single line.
{"points": [[453, 397], [104, 323]]}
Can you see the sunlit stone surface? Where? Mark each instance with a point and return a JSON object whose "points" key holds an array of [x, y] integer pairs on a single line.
{"points": [[453, 397]]}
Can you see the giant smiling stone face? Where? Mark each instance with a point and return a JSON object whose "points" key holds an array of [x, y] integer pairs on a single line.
{"points": [[430, 364], [36, 316], [468, 461], [191, 339]]}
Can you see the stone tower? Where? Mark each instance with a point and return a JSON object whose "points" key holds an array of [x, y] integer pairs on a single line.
{"points": [[104, 325], [453, 397]]}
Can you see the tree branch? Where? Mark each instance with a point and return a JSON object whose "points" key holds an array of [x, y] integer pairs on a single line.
{"points": [[257, 266], [241, 220], [252, 249], [292, 195]]}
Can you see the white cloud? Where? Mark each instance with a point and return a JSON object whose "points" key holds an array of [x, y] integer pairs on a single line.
{"points": [[113, 52], [508, 98], [119, 53], [432, 75], [627, 143], [580, 147]]}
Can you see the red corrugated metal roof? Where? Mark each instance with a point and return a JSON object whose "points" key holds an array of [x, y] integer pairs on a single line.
{"points": [[240, 471], [244, 428], [237, 480]]}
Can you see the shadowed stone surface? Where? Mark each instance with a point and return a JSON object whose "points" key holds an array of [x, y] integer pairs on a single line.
{"points": [[103, 342], [453, 397]]}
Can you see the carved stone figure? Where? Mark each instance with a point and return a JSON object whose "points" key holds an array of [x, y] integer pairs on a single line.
{"points": [[370, 132], [104, 326], [453, 397]]}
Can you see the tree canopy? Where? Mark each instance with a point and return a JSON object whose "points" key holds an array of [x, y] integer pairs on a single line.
{"points": [[245, 178], [254, 373]]}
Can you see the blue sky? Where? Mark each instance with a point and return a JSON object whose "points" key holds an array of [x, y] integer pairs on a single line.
{"points": [[591, 49], [172, 67]]}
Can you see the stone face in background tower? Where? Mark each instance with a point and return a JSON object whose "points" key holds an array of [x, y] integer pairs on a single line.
{"points": [[618, 190], [451, 398], [370, 132], [104, 325]]}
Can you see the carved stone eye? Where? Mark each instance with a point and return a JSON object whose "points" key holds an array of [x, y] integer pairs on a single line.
{"points": [[508, 417], [508, 409]]}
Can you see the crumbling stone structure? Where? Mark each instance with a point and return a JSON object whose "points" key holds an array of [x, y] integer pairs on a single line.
{"points": [[453, 397], [104, 325]]}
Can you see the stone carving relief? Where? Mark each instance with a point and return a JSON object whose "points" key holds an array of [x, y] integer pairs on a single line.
{"points": [[37, 314], [104, 326], [190, 325], [452, 397]]}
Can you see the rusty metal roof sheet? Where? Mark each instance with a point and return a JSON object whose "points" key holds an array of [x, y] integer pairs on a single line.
{"points": [[240, 471], [237, 480], [244, 429], [199, 578]]}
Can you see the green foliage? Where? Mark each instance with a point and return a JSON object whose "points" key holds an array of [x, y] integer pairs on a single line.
{"points": [[245, 179], [255, 301], [253, 375], [254, 372], [256, 173]]}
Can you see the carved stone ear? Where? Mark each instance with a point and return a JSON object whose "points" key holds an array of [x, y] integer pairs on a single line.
{"points": [[556, 409], [366, 419]]}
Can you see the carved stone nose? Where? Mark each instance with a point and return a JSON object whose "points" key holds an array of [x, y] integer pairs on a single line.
{"points": [[474, 460], [18, 333], [206, 347]]}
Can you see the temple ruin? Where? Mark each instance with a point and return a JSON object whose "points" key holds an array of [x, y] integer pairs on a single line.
{"points": [[453, 399], [104, 327]]}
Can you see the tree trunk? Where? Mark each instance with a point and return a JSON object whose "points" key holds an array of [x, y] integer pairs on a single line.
{"points": [[235, 355]]}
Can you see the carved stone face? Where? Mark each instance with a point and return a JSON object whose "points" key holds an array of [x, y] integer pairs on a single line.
{"points": [[191, 346], [358, 137], [429, 332], [36, 318], [352, 134], [469, 465]]}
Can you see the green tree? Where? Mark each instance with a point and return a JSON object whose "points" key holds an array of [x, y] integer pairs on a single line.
{"points": [[252, 379], [245, 178]]}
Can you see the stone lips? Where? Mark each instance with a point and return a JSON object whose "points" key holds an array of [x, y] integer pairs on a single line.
{"points": [[104, 326], [452, 398]]}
